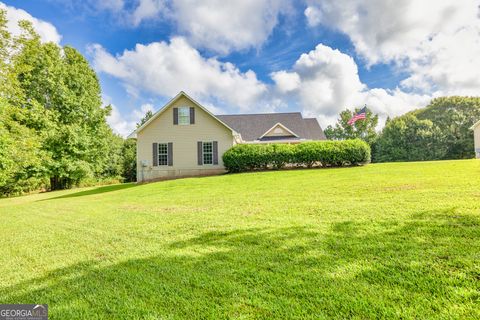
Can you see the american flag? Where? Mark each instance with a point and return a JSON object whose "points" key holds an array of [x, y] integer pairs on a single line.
{"points": [[362, 114]]}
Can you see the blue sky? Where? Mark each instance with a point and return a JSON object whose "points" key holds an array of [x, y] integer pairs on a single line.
{"points": [[318, 57]]}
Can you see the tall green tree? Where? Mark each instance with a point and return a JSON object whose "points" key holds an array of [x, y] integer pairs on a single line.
{"points": [[407, 138], [454, 116], [62, 93], [53, 129], [362, 129], [22, 162]]}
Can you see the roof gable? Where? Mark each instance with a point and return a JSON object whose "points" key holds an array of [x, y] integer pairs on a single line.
{"points": [[279, 130], [476, 124], [168, 105]]}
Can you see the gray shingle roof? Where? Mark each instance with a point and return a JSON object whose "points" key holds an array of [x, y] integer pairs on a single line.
{"points": [[253, 126]]}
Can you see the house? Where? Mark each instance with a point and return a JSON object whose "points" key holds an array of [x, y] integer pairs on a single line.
{"points": [[476, 138], [185, 139]]}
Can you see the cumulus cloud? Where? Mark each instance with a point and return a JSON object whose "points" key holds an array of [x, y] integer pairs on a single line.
{"points": [[217, 25], [47, 32], [286, 81], [325, 81], [124, 124], [436, 42], [165, 68], [225, 26]]}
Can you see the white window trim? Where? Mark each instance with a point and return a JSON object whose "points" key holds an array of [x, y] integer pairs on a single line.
{"points": [[166, 144], [188, 113], [203, 153]]}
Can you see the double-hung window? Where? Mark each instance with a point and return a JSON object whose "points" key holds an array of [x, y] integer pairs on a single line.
{"points": [[184, 115], [208, 153], [162, 154]]}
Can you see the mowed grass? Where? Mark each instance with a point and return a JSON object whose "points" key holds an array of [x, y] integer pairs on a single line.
{"points": [[397, 240]]}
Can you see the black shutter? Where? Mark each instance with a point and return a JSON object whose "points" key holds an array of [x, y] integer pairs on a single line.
{"points": [[215, 152], [175, 115], [170, 154], [192, 115], [200, 153], [155, 154]]}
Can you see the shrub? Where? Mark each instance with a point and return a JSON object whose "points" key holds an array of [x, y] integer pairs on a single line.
{"points": [[249, 157]]}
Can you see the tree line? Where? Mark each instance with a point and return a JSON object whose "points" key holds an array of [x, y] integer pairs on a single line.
{"points": [[53, 129], [440, 131]]}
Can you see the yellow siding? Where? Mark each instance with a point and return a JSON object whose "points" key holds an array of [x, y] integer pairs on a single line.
{"points": [[477, 141], [184, 139]]}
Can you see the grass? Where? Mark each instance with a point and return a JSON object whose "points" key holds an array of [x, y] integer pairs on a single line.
{"points": [[383, 241]]}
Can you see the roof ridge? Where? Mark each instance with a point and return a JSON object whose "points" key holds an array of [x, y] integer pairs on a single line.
{"points": [[257, 114]]}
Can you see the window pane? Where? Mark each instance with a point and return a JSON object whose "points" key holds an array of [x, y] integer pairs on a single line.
{"points": [[207, 158], [207, 153], [207, 147], [162, 154], [184, 115]]}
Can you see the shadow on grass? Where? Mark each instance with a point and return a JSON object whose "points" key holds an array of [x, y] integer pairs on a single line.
{"points": [[421, 269], [97, 190]]}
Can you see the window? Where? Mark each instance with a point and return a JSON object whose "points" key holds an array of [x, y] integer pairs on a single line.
{"points": [[162, 154], [208, 153], [184, 115]]}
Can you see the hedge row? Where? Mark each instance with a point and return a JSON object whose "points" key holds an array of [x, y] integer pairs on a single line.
{"points": [[249, 157]]}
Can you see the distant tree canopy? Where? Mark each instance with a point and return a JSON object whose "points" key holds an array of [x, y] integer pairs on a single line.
{"points": [[53, 129], [407, 138], [439, 131], [454, 116], [362, 129]]}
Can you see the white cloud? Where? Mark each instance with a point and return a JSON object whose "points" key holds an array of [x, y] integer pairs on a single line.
{"points": [[146, 9], [327, 82], [165, 69], [125, 124], [286, 81], [436, 42], [47, 32], [217, 25], [389, 30], [119, 123], [225, 26], [448, 64]]}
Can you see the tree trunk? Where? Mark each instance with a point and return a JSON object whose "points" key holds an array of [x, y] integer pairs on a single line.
{"points": [[59, 183]]}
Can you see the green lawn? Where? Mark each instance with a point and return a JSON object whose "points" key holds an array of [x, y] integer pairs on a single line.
{"points": [[381, 241]]}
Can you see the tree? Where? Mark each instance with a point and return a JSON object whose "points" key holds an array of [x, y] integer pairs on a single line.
{"points": [[53, 129], [454, 116], [61, 96], [362, 129], [22, 162], [407, 138], [145, 118], [129, 153]]}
